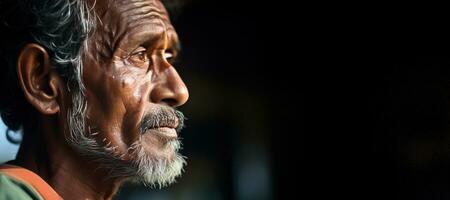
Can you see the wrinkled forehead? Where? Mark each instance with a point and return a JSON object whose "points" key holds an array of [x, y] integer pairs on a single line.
{"points": [[127, 11]]}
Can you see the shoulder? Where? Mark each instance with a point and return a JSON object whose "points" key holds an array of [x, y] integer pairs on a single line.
{"points": [[26, 182], [11, 188]]}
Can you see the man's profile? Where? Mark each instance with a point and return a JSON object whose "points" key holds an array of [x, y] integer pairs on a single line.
{"points": [[92, 85]]}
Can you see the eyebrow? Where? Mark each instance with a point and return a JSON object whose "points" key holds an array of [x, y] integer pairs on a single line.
{"points": [[148, 39], [175, 43]]}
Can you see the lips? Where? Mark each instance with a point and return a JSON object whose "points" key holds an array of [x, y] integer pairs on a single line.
{"points": [[169, 123], [153, 122], [167, 133], [164, 122]]}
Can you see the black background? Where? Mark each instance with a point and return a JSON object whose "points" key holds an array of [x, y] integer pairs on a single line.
{"points": [[246, 46]]}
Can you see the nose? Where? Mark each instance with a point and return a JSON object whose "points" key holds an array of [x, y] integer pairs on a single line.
{"points": [[169, 89]]}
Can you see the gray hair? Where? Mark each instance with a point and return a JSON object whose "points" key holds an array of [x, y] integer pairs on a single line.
{"points": [[62, 28]]}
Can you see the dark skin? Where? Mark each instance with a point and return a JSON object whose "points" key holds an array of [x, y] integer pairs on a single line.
{"points": [[127, 73]]}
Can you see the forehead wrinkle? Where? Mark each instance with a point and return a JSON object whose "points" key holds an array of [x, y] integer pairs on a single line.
{"points": [[127, 5], [123, 2], [136, 14], [158, 34], [149, 15], [142, 34], [143, 9], [135, 21]]}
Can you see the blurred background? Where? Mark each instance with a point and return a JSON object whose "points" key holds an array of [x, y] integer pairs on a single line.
{"points": [[410, 106], [383, 128], [235, 124]]}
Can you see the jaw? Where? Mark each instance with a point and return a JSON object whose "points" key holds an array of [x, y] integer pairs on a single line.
{"points": [[158, 170]]}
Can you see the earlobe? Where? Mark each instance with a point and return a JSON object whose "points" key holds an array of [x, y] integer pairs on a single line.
{"points": [[39, 82]]}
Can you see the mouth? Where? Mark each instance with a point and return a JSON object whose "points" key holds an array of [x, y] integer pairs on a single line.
{"points": [[165, 132], [164, 123]]}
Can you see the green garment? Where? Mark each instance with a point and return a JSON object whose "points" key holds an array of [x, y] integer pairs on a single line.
{"points": [[11, 188]]}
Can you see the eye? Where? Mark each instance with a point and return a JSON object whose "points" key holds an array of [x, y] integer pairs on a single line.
{"points": [[171, 57], [139, 57], [168, 55]]}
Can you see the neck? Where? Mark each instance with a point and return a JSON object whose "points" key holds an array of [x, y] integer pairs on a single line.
{"points": [[45, 152]]}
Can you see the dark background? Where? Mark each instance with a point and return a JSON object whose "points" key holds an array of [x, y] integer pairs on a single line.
{"points": [[410, 106], [377, 127]]}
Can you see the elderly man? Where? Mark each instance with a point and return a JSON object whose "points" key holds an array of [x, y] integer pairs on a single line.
{"points": [[92, 85]]}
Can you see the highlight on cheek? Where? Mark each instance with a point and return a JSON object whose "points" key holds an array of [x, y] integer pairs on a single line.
{"points": [[127, 82], [139, 93]]}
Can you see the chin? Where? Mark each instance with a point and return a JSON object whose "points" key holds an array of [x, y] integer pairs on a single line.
{"points": [[157, 169]]}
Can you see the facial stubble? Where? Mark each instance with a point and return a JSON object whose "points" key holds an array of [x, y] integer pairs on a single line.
{"points": [[142, 166]]}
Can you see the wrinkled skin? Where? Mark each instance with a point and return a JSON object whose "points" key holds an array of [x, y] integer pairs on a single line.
{"points": [[130, 56], [127, 75]]}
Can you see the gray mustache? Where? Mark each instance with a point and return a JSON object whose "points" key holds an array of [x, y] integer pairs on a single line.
{"points": [[163, 117]]}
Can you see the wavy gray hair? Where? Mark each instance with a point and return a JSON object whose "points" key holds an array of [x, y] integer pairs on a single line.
{"points": [[62, 28]]}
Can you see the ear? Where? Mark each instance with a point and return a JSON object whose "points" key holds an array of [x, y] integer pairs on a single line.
{"points": [[38, 81]]}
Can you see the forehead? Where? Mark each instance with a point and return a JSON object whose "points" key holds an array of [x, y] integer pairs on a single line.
{"points": [[129, 7], [120, 17]]}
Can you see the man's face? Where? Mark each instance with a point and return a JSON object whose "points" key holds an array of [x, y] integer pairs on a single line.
{"points": [[131, 85]]}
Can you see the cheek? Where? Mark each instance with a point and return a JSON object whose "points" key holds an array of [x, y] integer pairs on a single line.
{"points": [[116, 101], [135, 89], [105, 106], [130, 86], [135, 92]]}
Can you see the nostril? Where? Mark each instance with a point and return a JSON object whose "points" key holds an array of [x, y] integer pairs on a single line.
{"points": [[170, 102]]}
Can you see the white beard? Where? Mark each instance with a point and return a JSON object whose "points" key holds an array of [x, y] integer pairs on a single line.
{"points": [[153, 171], [143, 167]]}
